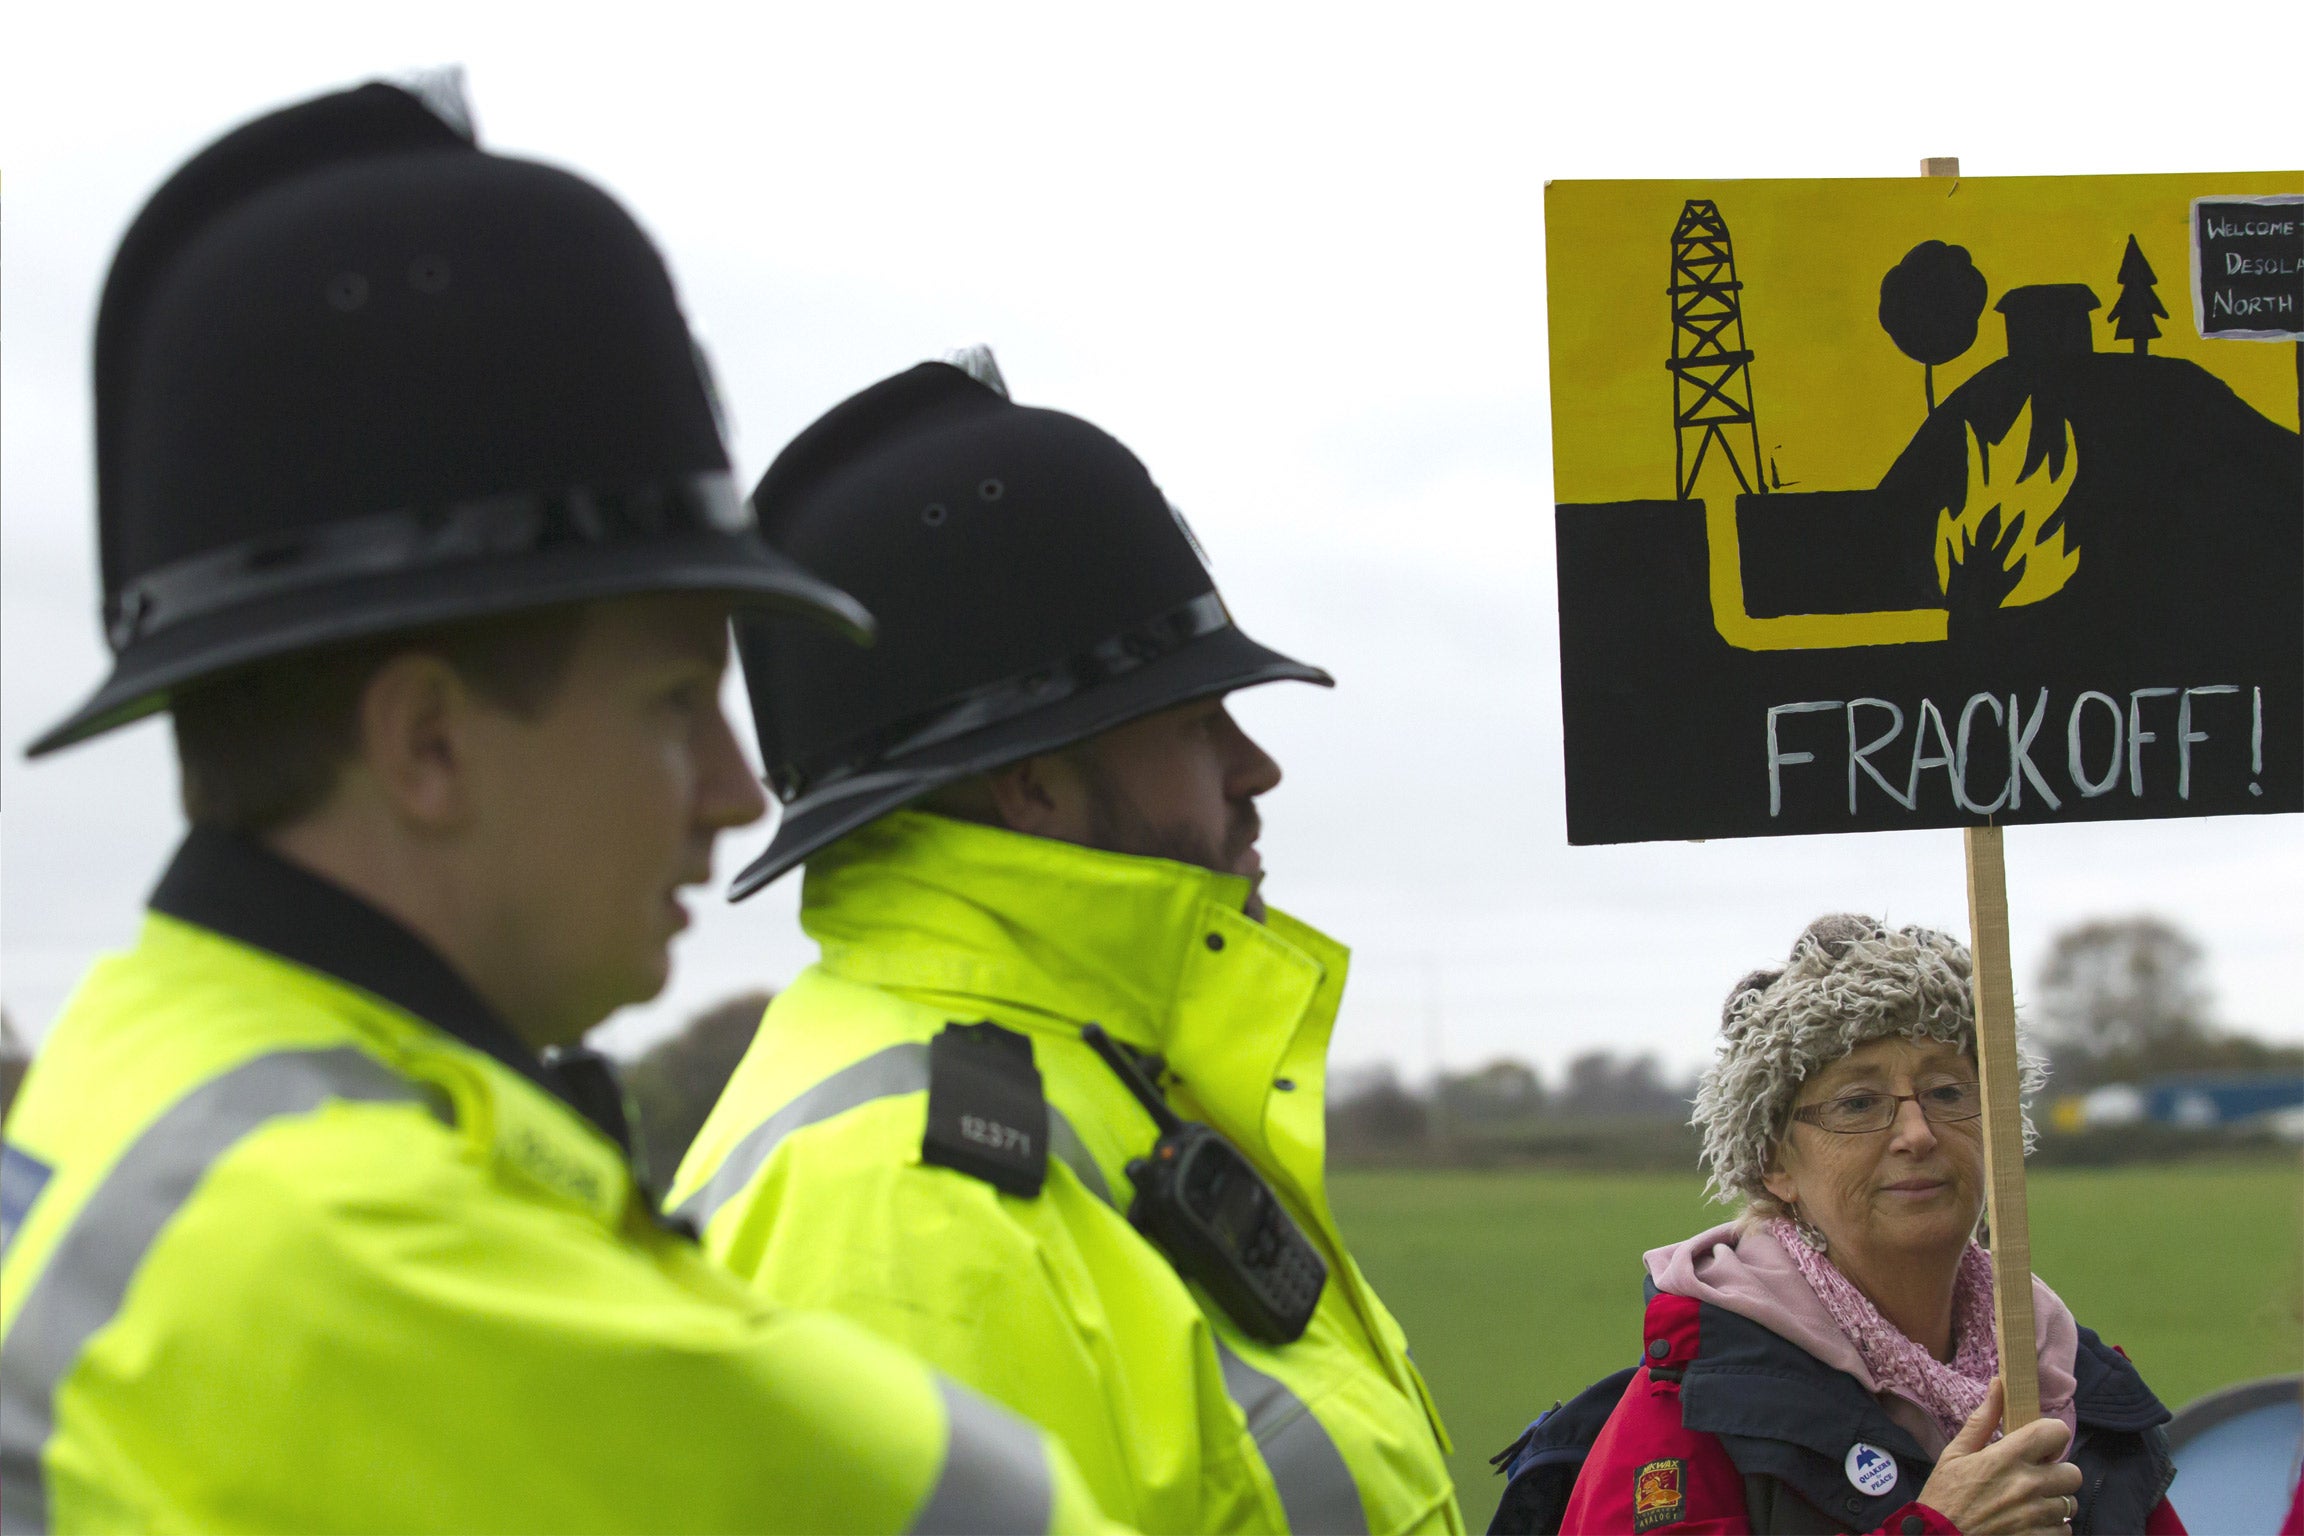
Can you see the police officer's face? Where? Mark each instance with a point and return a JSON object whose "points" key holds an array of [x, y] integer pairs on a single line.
{"points": [[587, 819], [1181, 784]]}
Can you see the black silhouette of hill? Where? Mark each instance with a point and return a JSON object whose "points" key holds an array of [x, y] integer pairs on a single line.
{"points": [[2187, 508]]}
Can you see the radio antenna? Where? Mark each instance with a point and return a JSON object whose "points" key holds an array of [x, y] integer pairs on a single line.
{"points": [[1133, 1078]]}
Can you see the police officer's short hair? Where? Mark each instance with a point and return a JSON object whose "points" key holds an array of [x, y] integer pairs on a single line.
{"points": [[260, 748]]}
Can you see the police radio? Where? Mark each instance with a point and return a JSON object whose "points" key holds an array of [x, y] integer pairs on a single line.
{"points": [[1207, 1208]]}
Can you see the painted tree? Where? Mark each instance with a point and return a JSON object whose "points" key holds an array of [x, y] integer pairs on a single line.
{"points": [[1929, 305], [2134, 318]]}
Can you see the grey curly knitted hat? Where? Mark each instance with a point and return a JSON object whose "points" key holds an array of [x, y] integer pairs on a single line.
{"points": [[1850, 980]]}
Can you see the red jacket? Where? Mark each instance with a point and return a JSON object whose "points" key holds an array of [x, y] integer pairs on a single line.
{"points": [[1726, 1427]]}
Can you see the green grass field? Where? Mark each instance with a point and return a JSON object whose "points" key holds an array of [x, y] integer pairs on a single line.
{"points": [[1518, 1288]]}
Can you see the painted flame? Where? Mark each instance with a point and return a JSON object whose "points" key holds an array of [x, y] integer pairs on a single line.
{"points": [[2046, 565]]}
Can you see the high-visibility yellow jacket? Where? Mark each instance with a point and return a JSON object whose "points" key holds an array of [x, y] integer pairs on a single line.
{"points": [[808, 1180], [283, 1256]]}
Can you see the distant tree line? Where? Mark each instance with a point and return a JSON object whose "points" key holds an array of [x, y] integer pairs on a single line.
{"points": [[1606, 1110], [15, 1057], [2124, 1000], [2119, 1000]]}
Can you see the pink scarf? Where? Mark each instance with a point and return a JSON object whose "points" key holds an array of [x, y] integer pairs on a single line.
{"points": [[1949, 1392]]}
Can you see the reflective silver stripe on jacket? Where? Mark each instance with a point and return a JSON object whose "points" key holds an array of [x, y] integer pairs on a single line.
{"points": [[80, 1288], [1316, 1486], [995, 1478], [1073, 1153], [885, 1074]]}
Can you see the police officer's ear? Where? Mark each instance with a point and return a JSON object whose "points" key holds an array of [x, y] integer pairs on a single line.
{"points": [[421, 732], [1043, 796]]}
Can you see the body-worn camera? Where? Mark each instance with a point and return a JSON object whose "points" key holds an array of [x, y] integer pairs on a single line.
{"points": [[1207, 1208]]}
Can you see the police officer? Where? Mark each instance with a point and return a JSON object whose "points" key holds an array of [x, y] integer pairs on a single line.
{"points": [[1025, 811], [414, 511]]}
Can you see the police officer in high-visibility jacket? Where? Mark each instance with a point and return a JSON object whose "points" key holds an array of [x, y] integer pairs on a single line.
{"points": [[415, 514], [1024, 812]]}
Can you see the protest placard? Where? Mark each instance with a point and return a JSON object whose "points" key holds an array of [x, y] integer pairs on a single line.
{"points": [[1904, 503]]}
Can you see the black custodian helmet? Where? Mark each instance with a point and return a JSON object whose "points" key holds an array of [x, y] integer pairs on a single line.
{"points": [[1034, 588], [354, 375]]}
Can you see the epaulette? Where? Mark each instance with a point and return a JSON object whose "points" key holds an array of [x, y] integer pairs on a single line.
{"points": [[987, 1111]]}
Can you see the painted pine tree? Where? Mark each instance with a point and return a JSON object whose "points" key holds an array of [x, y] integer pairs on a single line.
{"points": [[2133, 317]]}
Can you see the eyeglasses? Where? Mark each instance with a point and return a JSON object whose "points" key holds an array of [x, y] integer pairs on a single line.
{"points": [[1854, 1114]]}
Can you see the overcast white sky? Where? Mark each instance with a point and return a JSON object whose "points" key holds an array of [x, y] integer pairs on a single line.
{"points": [[1294, 258]]}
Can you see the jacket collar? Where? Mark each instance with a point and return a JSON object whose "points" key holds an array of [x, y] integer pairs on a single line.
{"points": [[2111, 1394], [1747, 1380], [1047, 936], [235, 887], [1750, 1382], [929, 903]]}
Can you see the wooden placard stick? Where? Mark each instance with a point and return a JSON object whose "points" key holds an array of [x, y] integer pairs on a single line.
{"points": [[1995, 992], [1994, 986]]}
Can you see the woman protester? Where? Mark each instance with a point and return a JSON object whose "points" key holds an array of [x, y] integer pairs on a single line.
{"points": [[1826, 1362]]}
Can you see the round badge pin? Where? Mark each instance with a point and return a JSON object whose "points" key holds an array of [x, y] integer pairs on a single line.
{"points": [[1871, 1469]]}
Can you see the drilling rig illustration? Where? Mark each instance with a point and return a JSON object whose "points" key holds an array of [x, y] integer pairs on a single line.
{"points": [[1711, 366]]}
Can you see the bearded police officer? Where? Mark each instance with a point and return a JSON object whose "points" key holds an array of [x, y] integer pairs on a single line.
{"points": [[414, 511], [1026, 812]]}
